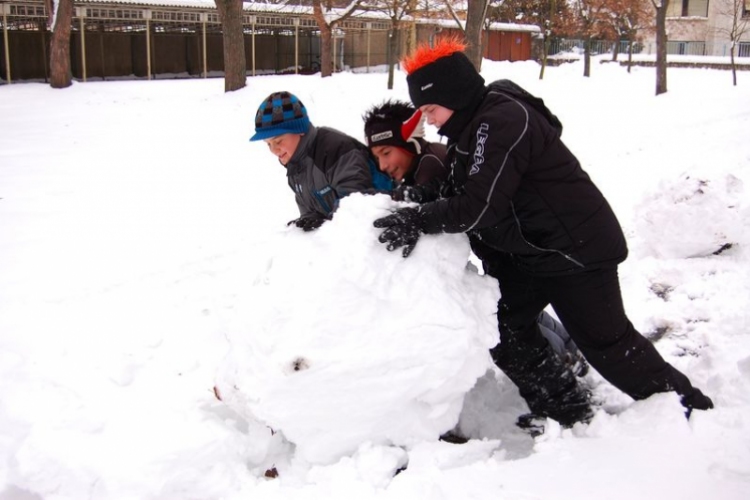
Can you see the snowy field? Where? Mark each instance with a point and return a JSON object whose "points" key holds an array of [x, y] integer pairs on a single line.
{"points": [[146, 270]]}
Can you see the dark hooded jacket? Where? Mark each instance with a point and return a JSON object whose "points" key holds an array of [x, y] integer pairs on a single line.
{"points": [[327, 166], [517, 189]]}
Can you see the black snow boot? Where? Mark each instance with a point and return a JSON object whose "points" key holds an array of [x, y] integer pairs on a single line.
{"points": [[577, 363], [696, 400], [546, 383]]}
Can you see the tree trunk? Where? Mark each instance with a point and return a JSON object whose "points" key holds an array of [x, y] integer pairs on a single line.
{"points": [[545, 51], [616, 50], [630, 52], [410, 43], [326, 46], [661, 47], [734, 67], [59, 56], [392, 53], [547, 33], [587, 57], [326, 52], [476, 12], [230, 14]]}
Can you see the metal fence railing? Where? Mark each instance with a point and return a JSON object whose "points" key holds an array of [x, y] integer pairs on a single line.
{"points": [[562, 46]]}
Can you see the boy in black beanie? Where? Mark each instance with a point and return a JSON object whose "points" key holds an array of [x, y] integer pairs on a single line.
{"points": [[541, 227], [394, 131]]}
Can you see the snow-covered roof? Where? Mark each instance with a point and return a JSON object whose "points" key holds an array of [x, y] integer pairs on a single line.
{"points": [[450, 23], [304, 10], [208, 4]]}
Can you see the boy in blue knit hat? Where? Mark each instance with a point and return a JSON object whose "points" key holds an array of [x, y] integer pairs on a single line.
{"points": [[323, 165]]}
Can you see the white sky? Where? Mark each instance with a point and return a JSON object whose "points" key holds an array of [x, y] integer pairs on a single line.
{"points": [[144, 258]]}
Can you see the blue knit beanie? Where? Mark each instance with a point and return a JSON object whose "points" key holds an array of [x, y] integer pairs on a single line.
{"points": [[280, 113]]}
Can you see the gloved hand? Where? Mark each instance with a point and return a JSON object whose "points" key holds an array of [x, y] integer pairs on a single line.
{"points": [[309, 222], [403, 229], [417, 194]]}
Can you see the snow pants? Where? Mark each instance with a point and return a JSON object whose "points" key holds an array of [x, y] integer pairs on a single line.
{"points": [[589, 305]]}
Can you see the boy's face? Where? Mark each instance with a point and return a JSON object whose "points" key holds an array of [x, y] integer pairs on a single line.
{"points": [[436, 114], [393, 160], [283, 146]]}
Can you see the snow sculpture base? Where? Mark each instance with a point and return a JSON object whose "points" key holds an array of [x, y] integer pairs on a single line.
{"points": [[347, 343]]}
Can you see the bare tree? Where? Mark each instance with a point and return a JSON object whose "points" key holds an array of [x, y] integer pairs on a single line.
{"points": [[661, 45], [230, 14], [476, 13], [452, 12], [590, 16], [547, 17], [396, 10], [627, 18], [327, 20], [59, 57], [739, 24]]}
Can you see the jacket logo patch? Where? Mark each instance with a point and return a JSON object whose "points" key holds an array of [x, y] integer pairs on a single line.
{"points": [[381, 136], [479, 150]]}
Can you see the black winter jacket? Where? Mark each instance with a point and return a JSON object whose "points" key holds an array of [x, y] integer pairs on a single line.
{"points": [[327, 166], [429, 166], [517, 189]]}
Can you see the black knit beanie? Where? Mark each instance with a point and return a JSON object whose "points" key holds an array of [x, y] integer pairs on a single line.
{"points": [[394, 123], [451, 82]]}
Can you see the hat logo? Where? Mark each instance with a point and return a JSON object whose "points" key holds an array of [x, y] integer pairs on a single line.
{"points": [[425, 87], [381, 136]]}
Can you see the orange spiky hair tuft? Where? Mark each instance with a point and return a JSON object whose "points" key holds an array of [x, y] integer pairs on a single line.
{"points": [[425, 54]]}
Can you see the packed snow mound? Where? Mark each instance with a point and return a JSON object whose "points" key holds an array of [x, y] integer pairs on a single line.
{"points": [[355, 344], [691, 217]]}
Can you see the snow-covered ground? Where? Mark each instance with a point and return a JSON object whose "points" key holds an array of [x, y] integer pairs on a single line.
{"points": [[146, 268]]}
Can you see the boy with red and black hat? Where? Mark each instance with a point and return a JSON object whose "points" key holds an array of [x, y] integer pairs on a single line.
{"points": [[394, 131], [541, 227]]}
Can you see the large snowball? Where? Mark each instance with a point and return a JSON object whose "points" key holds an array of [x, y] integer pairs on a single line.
{"points": [[348, 343]]}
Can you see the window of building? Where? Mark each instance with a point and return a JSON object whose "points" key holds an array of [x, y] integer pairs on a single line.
{"points": [[691, 8], [686, 48]]}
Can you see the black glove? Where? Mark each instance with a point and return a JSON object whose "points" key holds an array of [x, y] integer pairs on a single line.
{"points": [[417, 194], [403, 229], [309, 222], [696, 401]]}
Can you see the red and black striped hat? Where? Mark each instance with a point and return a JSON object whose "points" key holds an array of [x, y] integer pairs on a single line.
{"points": [[394, 123]]}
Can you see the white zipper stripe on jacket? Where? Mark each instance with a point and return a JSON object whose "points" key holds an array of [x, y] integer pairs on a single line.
{"points": [[541, 249], [505, 160]]}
